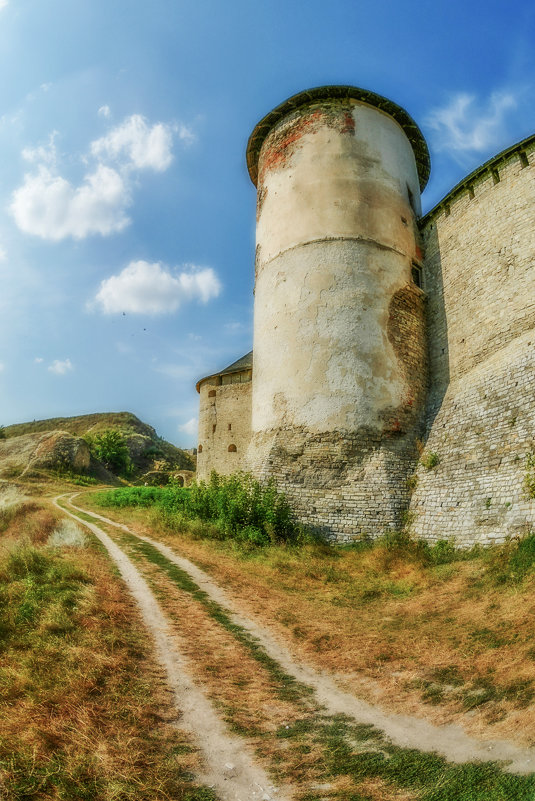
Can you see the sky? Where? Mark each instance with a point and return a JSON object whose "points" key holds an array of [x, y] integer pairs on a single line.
{"points": [[126, 211]]}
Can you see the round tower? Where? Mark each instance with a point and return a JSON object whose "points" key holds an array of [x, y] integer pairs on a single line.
{"points": [[339, 339]]}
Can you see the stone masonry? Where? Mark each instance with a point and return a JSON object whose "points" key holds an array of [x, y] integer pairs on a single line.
{"points": [[394, 376]]}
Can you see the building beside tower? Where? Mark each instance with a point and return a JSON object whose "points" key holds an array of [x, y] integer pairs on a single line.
{"points": [[378, 333]]}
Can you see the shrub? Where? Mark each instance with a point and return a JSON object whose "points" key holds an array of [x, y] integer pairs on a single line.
{"points": [[237, 507], [110, 448]]}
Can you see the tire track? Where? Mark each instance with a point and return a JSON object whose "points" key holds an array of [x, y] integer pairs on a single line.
{"points": [[451, 741], [229, 768]]}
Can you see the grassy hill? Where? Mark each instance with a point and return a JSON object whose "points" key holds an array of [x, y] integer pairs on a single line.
{"points": [[147, 450]]}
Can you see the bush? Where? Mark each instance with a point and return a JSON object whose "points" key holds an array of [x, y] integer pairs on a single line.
{"points": [[237, 506], [110, 448]]}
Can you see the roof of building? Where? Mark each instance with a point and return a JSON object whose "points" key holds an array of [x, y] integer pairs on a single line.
{"points": [[245, 363], [487, 167], [414, 135]]}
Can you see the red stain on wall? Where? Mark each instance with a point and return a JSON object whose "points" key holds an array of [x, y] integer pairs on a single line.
{"points": [[280, 145]]}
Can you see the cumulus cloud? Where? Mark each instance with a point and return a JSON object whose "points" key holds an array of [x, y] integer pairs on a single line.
{"points": [[191, 427], [61, 367], [104, 111], [150, 288], [49, 206], [38, 360], [466, 124], [138, 144]]}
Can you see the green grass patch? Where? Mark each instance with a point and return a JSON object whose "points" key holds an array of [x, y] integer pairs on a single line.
{"points": [[233, 507]]}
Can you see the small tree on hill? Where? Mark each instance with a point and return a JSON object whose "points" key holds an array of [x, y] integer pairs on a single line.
{"points": [[110, 448], [2, 432]]}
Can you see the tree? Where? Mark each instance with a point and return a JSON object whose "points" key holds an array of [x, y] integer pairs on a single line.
{"points": [[110, 448]]}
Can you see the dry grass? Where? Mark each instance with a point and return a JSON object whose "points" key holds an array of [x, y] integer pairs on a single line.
{"points": [[440, 642], [84, 710]]}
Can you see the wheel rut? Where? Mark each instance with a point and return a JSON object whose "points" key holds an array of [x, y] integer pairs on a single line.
{"points": [[451, 741], [229, 767]]}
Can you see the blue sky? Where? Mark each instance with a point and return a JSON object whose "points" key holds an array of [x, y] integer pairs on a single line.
{"points": [[126, 212]]}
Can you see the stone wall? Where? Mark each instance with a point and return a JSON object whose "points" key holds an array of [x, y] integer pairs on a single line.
{"points": [[224, 422], [480, 282]]}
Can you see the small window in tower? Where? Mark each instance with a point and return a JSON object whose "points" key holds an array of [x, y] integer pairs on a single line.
{"points": [[232, 449], [212, 393], [230, 426], [213, 428], [471, 193], [199, 449], [447, 210], [523, 159], [496, 176], [416, 275]]}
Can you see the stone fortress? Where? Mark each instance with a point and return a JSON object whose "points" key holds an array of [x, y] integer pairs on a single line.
{"points": [[394, 369]]}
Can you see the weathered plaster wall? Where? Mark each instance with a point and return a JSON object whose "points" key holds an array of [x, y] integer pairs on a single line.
{"points": [[224, 420], [339, 343], [480, 282]]}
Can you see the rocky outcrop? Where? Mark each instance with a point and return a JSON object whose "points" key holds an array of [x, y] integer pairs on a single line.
{"points": [[55, 450]]}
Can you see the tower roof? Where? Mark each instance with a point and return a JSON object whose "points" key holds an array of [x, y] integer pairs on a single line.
{"points": [[245, 363], [414, 135]]}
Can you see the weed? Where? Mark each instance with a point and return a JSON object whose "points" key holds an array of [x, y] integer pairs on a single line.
{"points": [[529, 478], [429, 459]]}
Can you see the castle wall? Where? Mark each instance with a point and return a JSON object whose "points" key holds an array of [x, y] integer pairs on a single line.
{"points": [[480, 282], [224, 420], [339, 341]]}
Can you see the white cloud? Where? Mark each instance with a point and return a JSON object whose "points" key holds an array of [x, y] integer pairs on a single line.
{"points": [[191, 427], [38, 360], [44, 154], [45, 87], [104, 111], [3, 4], [61, 367], [185, 134], [48, 206], [466, 124], [145, 288], [142, 145]]}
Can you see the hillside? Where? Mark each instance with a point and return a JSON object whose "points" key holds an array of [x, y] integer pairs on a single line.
{"points": [[60, 443]]}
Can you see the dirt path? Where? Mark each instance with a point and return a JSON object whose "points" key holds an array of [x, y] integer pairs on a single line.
{"points": [[229, 767], [451, 740]]}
